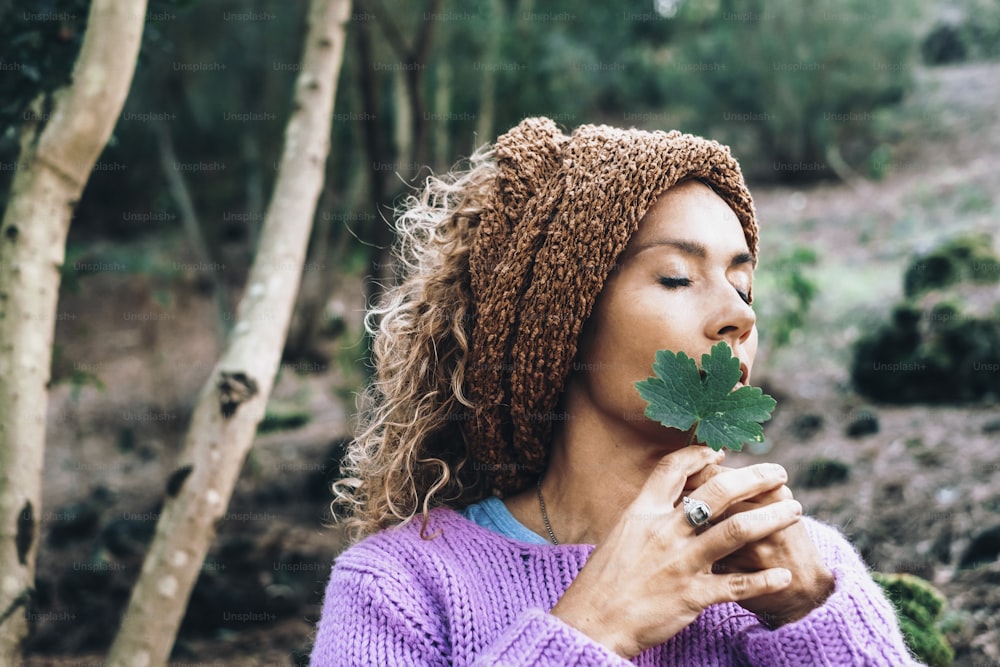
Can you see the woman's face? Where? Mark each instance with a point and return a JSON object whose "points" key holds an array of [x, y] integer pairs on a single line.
{"points": [[681, 285]]}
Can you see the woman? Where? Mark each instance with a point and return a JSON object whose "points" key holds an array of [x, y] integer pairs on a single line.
{"points": [[557, 525]]}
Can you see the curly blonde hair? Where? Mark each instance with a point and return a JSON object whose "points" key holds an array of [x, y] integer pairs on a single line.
{"points": [[410, 453]]}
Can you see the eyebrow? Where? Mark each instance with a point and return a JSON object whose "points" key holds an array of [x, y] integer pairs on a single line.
{"points": [[695, 249]]}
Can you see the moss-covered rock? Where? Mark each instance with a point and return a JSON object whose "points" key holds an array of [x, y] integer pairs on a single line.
{"points": [[823, 472], [918, 606], [863, 422]]}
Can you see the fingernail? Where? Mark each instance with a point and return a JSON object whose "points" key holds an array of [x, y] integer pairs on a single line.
{"points": [[784, 576], [797, 507]]}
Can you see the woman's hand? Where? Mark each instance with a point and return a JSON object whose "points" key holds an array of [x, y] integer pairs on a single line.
{"points": [[653, 575], [791, 548]]}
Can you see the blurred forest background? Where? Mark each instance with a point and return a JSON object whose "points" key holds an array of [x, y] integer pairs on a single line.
{"points": [[868, 132]]}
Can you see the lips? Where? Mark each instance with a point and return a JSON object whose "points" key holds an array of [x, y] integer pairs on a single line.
{"points": [[744, 375]]}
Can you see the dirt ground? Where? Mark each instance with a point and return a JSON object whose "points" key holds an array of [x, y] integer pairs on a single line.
{"points": [[920, 487]]}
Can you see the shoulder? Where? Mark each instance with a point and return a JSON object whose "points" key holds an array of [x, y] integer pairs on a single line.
{"points": [[416, 545]]}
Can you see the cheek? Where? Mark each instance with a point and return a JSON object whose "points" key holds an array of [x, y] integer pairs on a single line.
{"points": [[751, 345]]}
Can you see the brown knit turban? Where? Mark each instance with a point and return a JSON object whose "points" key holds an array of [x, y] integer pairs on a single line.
{"points": [[562, 211]]}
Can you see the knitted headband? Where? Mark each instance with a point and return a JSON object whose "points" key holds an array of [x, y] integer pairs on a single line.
{"points": [[562, 210]]}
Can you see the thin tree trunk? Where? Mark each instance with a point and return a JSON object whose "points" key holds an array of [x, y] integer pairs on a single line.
{"points": [[409, 85], [57, 162], [414, 83], [181, 193], [313, 293], [405, 168], [232, 402], [440, 158], [375, 230], [253, 91], [488, 78]]}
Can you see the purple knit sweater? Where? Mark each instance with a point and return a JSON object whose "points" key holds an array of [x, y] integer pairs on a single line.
{"points": [[473, 597]]}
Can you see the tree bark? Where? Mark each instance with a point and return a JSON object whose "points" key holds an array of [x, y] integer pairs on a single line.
{"points": [[232, 401], [56, 158]]}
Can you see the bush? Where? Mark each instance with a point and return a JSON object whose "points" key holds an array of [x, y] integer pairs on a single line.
{"points": [[963, 259], [976, 35], [944, 45], [935, 348]]}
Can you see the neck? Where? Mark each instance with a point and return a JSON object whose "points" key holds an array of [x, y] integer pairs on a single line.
{"points": [[595, 471]]}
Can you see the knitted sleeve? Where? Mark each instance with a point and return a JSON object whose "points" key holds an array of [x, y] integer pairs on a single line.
{"points": [[539, 638], [380, 619], [855, 626], [367, 621]]}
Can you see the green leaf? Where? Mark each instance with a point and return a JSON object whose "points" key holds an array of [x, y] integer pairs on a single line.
{"points": [[682, 397]]}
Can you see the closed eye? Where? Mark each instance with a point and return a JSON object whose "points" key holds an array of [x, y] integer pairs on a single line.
{"points": [[674, 282]]}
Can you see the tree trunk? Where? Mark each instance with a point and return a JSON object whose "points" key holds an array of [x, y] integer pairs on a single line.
{"points": [[314, 291], [233, 399], [417, 62], [55, 161], [376, 231], [405, 168], [441, 159], [181, 194], [488, 78]]}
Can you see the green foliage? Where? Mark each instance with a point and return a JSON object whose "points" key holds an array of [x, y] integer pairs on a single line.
{"points": [[918, 606], [574, 63], [39, 43], [38, 46], [934, 348], [878, 162], [682, 397], [797, 77], [790, 295], [283, 419], [962, 259]]}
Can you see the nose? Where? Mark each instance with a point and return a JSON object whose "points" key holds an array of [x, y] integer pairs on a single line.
{"points": [[733, 320]]}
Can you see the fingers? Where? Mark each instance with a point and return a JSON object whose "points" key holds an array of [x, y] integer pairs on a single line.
{"points": [[665, 484], [733, 486], [708, 472], [744, 586], [744, 528], [703, 475], [766, 498]]}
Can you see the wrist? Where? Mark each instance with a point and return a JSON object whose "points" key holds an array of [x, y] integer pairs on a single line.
{"points": [[820, 586], [585, 619]]}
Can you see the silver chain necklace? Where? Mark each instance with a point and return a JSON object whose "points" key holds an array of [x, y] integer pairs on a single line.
{"points": [[545, 515]]}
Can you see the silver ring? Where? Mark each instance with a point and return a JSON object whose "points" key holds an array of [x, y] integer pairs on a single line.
{"points": [[696, 512]]}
